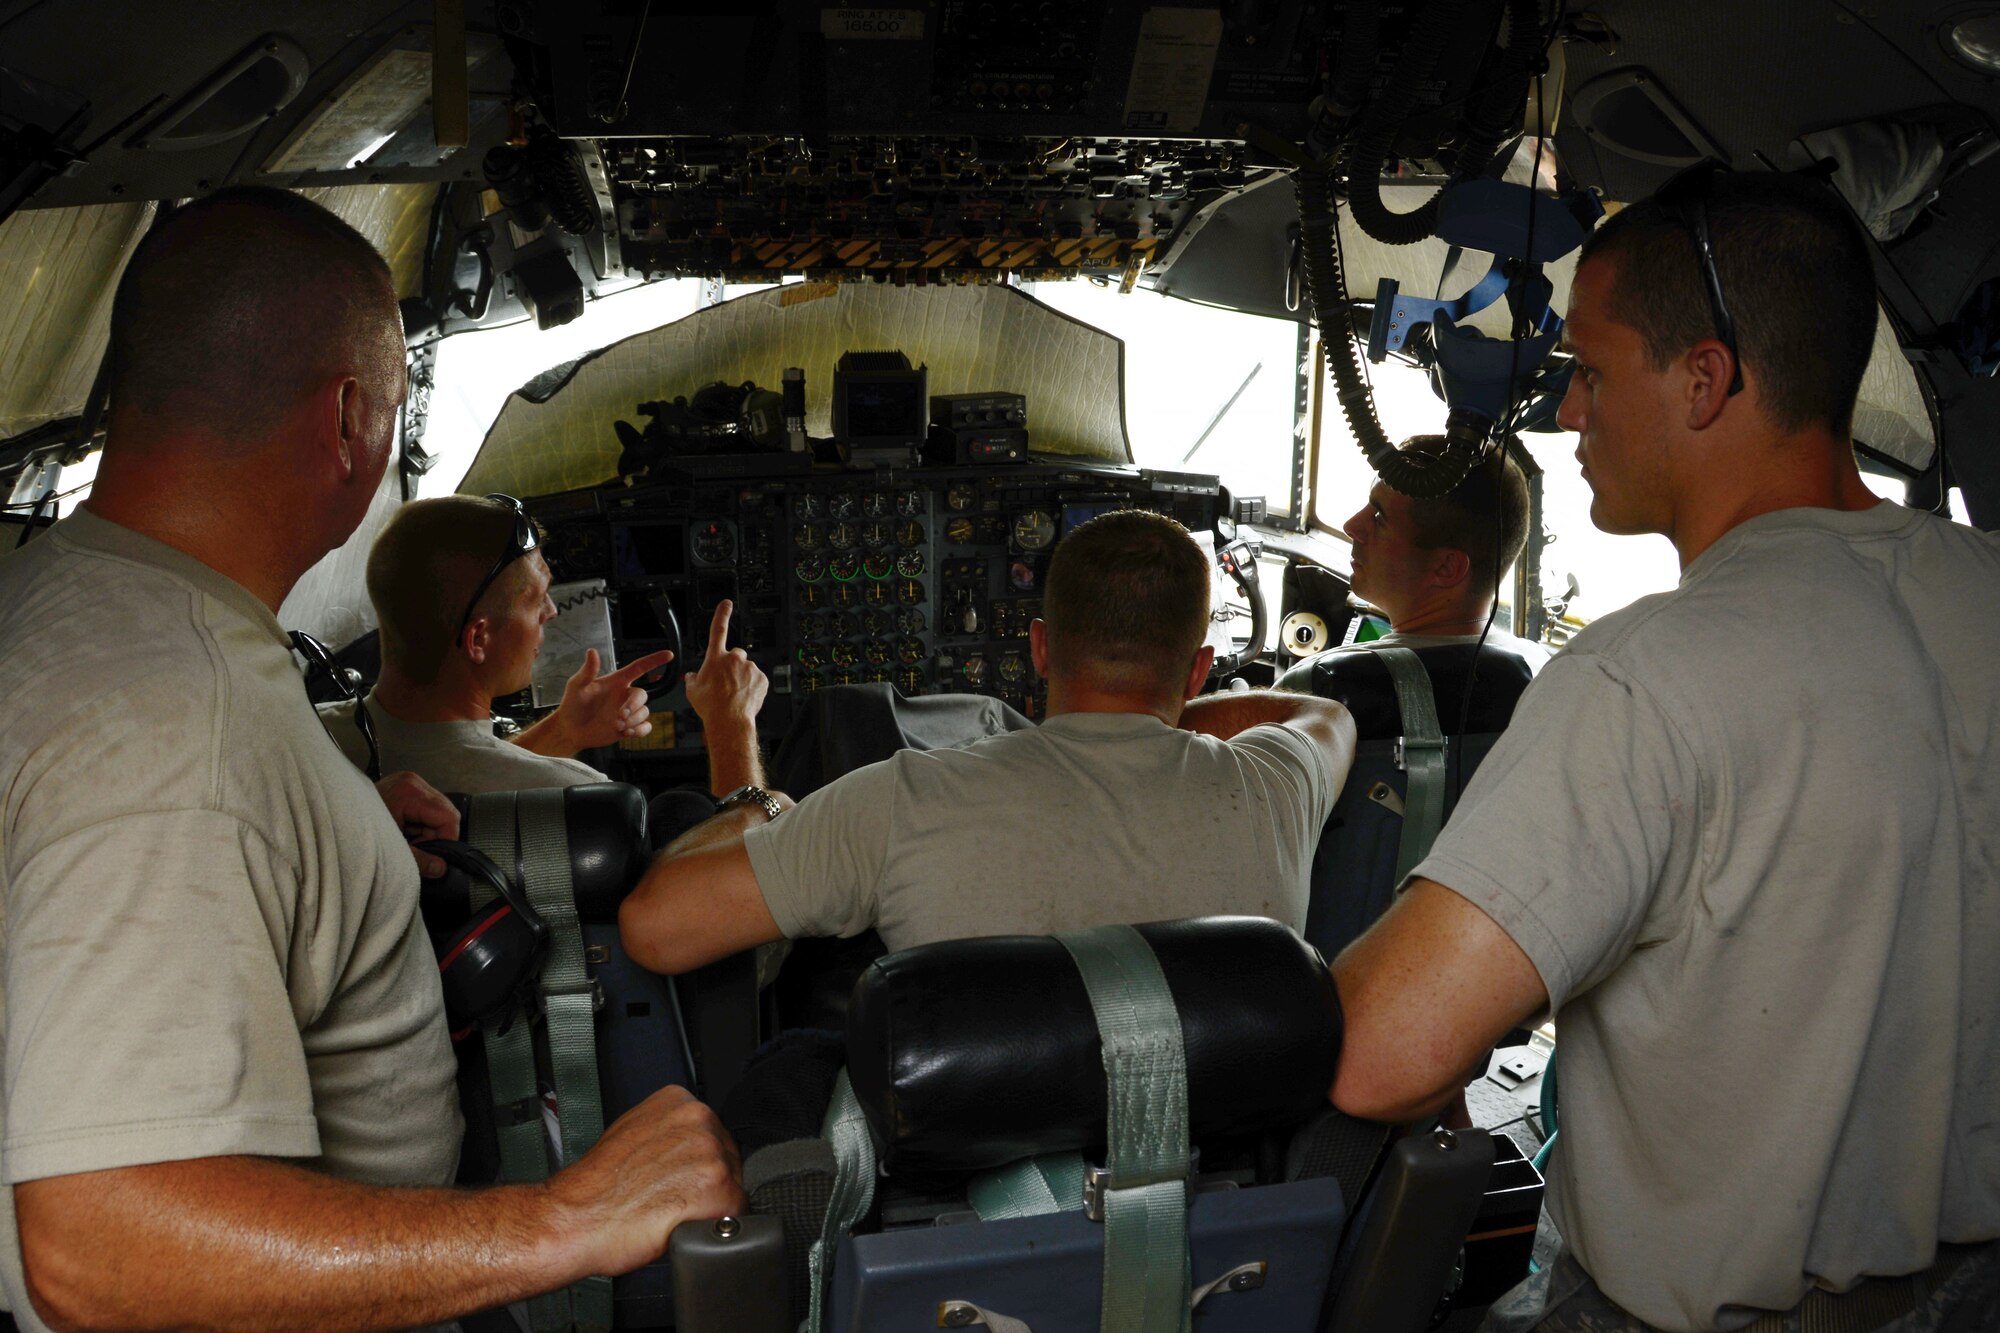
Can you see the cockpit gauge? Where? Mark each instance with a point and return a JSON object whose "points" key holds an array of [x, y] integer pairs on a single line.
{"points": [[805, 682], [876, 651], [909, 592], [909, 503], [842, 654], [910, 679], [959, 532], [1034, 530], [875, 504], [876, 624], [973, 670], [813, 594], [875, 536], [847, 626], [844, 566], [960, 497], [845, 676], [714, 543], [878, 565], [810, 569], [910, 564], [581, 552], [909, 534], [1012, 670], [843, 537], [846, 594], [810, 626], [842, 504], [877, 592], [808, 537], [808, 507], [910, 650], [811, 656], [878, 675], [911, 620]]}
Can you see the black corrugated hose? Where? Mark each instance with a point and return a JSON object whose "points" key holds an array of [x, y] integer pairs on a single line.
{"points": [[1374, 145]]}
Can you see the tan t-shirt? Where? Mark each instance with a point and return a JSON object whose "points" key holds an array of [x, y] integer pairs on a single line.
{"points": [[1087, 820], [465, 758], [1749, 834], [212, 941]]}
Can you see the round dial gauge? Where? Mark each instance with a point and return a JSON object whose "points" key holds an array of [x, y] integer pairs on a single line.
{"points": [[909, 503], [877, 592], [910, 564], [842, 654], [909, 534], [1034, 530], [1012, 669], [845, 676], [812, 594], [879, 675], [875, 504], [877, 623], [909, 592], [878, 564], [876, 535], [808, 537], [845, 594], [959, 532], [808, 507], [911, 621], [845, 536], [876, 651], [805, 682], [973, 669], [844, 566], [909, 680], [714, 543], [847, 626], [810, 626], [959, 498], [812, 656], [841, 505], [811, 569], [910, 650]]}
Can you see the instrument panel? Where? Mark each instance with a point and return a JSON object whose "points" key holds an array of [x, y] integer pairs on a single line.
{"points": [[923, 579]]}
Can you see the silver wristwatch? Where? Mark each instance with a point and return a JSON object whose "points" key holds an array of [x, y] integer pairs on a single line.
{"points": [[749, 795]]}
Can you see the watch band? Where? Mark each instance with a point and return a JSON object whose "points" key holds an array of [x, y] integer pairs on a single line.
{"points": [[751, 795]]}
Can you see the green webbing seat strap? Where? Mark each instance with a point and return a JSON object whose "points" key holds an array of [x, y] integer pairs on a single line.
{"points": [[846, 1130], [1031, 1187], [529, 832], [1421, 753], [569, 1005], [1142, 1193]]}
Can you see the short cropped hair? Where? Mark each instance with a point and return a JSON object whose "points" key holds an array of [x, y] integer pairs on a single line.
{"points": [[423, 568], [1797, 277], [1485, 515], [1126, 601], [237, 305]]}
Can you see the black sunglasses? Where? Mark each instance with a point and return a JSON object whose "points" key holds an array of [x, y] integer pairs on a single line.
{"points": [[524, 539], [1685, 199], [320, 665]]}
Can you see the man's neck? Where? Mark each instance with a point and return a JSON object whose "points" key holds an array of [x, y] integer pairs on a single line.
{"points": [[449, 698], [1066, 696], [1773, 478], [206, 523], [1460, 615]]}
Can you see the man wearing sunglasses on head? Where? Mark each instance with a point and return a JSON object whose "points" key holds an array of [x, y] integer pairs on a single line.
{"points": [[229, 1097], [1742, 839], [461, 594]]}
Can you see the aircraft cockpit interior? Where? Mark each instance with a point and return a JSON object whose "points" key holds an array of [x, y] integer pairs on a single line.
{"points": [[935, 286]]}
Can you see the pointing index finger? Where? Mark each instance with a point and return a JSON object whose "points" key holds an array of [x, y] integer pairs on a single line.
{"points": [[631, 671], [718, 628]]}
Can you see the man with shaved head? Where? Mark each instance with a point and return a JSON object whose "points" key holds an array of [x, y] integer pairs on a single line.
{"points": [[1132, 801], [229, 1095]]}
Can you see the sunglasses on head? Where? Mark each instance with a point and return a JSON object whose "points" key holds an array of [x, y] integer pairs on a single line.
{"points": [[523, 540], [320, 664], [1685, 199]]}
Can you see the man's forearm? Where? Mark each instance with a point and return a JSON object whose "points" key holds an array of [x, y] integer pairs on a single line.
{"points": [[254, 1244], [548, 736], [1228, 712], [734, 759]]}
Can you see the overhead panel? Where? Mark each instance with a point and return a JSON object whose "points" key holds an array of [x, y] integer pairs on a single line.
{"points": [[973, 338]]}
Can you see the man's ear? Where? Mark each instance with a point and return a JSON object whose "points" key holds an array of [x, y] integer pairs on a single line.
{"points": [[1038, 646], [349, 422], [1711, 368], [1449, 567], [1204, 662], [475, 639]]}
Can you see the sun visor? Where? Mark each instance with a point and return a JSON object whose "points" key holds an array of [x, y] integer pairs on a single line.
{"points": [[556, 433], [1891, 416]]}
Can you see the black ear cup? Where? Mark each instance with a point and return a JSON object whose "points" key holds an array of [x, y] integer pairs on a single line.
{"points": [[484, 964]]}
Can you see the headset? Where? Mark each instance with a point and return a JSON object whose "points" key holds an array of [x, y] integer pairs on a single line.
{"points": [[486, 964]]}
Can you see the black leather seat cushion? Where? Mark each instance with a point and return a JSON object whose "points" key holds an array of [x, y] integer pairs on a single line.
{"points": [[1356, 677], [974, 1053], [607, 845]]}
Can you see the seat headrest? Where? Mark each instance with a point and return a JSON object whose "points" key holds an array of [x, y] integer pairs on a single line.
{"points": [[1356, 677], [974, 1053], [607, 843]]}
